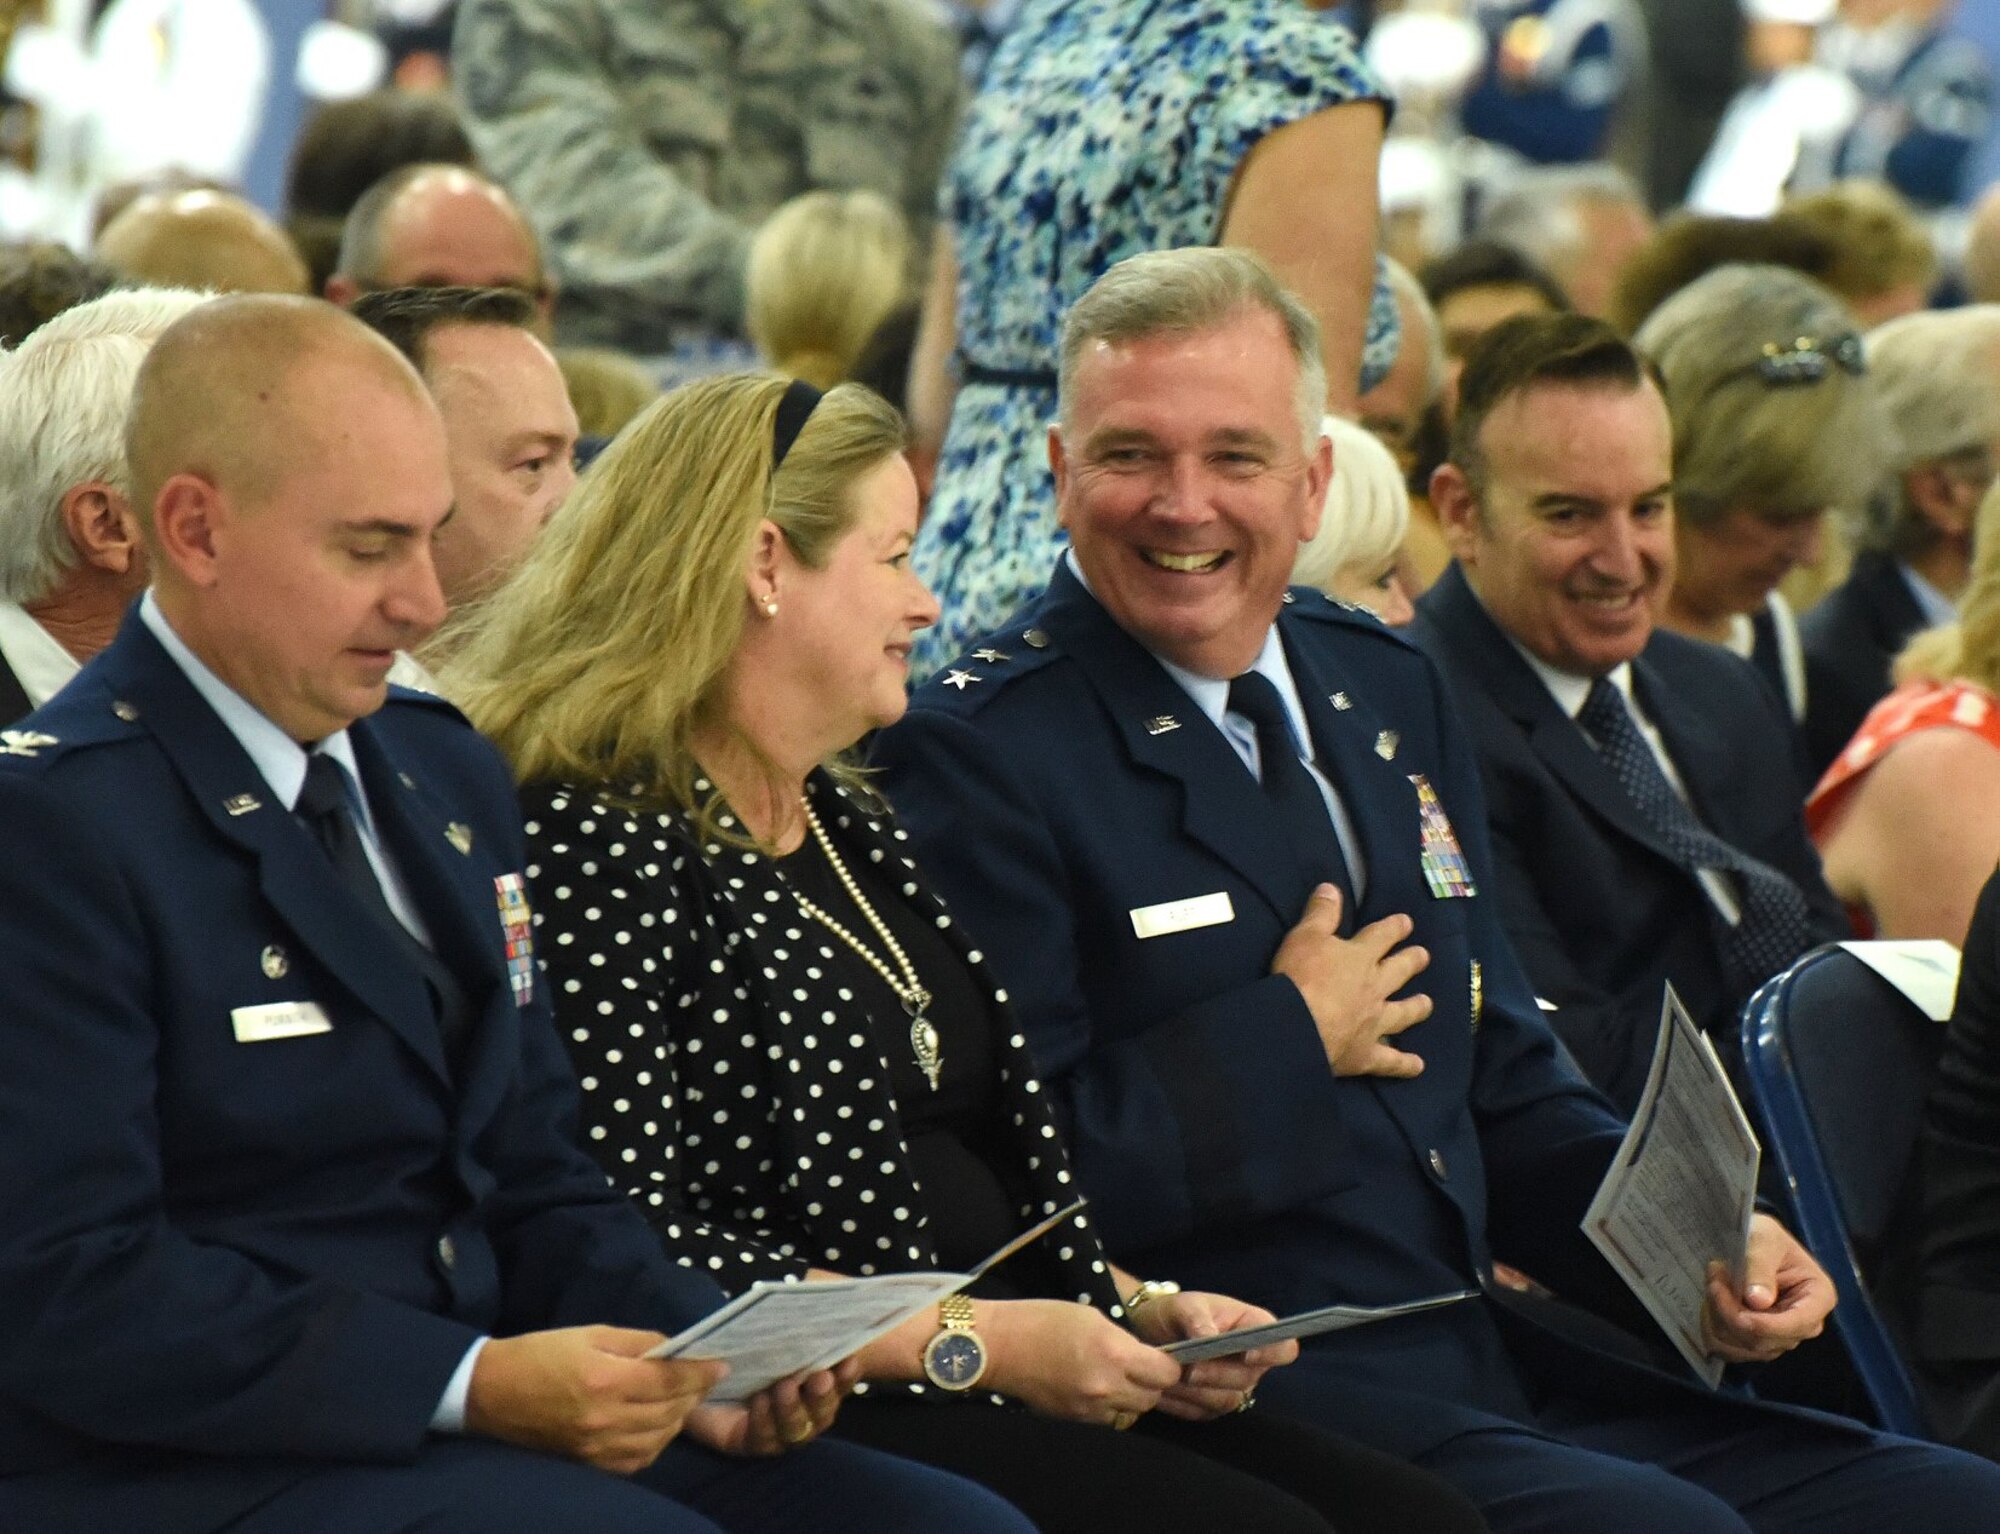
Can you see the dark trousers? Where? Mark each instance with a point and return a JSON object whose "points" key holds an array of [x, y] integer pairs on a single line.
{"points": [[1251, 1473], [1683, 1466], [474, 1486]]}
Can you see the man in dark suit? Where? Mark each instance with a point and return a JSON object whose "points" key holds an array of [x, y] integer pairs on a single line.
{"points": [[1209, 835], [70, 559], [1937, 375], [293, 1236], [1682, 859]]}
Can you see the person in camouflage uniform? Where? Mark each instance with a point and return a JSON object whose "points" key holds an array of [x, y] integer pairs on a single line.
{"points": [[649, 140]]}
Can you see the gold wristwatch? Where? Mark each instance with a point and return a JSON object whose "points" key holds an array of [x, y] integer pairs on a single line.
{"points": [[956, 1357]]}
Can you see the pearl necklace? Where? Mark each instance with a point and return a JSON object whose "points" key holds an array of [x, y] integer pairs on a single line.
{"points": [[903, 979]]}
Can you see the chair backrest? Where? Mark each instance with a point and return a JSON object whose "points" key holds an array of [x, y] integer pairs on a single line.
{"points": [[1840, 1063]]}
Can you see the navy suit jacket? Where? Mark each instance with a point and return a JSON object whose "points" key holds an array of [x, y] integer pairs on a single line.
{"points": [[233, 1262], [1600, 913], [1851, 638], [1067, 782]]}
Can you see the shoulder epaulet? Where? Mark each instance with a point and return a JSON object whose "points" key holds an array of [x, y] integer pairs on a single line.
{"points": [[983, 672], [1315, 605], [419, 697], [79, 717]]}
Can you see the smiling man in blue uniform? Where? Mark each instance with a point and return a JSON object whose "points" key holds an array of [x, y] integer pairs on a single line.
{"points": [[292, 1234], [1225, 846]]}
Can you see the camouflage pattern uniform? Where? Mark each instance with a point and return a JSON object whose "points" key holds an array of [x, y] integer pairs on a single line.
{"points": [[647, 139]]}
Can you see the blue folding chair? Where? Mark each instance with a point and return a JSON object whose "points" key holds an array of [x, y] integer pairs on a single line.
{"points": [[1839, 1063]]}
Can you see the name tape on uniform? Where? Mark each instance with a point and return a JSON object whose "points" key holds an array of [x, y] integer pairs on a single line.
{"points": [[278, 1020], [1183, 915]]}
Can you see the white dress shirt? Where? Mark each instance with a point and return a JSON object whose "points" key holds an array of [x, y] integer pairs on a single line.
{"points": [[39, 662]]}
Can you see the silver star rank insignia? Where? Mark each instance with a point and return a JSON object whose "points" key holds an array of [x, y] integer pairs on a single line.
{"points": [[991, 657], [959, 679], [1386, 743], [24, 742]]}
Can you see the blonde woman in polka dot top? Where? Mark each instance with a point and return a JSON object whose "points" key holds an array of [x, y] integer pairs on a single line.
{"points": [[790, 1056]]}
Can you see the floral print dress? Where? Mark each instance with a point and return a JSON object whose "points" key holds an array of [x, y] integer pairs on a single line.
{"points": [[1104, 128]]}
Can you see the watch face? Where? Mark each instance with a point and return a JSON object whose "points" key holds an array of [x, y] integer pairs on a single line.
{"points": [[955, 1359]]}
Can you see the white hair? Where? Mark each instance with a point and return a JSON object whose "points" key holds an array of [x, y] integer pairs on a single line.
{"points": [[1367, 509], [63, 396]]}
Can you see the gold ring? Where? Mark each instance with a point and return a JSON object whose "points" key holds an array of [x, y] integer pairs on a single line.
{"points": [[1249, 1400], [1121, 1420]]}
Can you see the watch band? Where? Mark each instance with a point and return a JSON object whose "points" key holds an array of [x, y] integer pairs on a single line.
{"points": [[955, 1313]]}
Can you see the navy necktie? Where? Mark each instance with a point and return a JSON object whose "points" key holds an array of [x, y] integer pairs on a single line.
{"points": [[1775, 927], [327, 811], [1293, 791]]}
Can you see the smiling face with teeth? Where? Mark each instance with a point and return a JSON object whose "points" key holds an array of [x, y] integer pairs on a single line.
{"points": [[1568, 540], [1185, 487]]}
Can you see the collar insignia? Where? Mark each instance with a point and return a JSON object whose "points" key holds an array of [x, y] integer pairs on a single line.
{"points": [[1341, 701], [459, 834], [959, 679], [1161, 723], [241, 804], [24, 742], [991, 657], [1386, 743]]}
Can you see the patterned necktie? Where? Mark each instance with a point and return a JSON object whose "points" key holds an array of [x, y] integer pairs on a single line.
{"points": [[1292, 789], [1774, 929]]}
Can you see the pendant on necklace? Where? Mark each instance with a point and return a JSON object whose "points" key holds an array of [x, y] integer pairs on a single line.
{"points": [[924, 1044]]}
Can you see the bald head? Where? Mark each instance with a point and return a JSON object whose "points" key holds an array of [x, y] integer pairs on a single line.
{"points": [[241, 392], [429, 226], [201, 239], [1982, 251], [294, 477]]}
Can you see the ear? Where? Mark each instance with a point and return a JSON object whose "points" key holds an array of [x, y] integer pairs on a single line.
{"points": [[1319, 475], [768, 555], [1059, 466], [190, 521], [1940, 498], [342, 290], [100, 525], [1457, 510]]}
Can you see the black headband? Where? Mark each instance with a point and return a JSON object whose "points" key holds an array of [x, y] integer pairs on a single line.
{"points": [[793, 410]]}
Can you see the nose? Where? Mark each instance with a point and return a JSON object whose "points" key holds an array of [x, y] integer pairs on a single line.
{"points": [[1808, 540], [1182, 493], [1396, 608], [924, 608], [1616, 551], [415, 600]]}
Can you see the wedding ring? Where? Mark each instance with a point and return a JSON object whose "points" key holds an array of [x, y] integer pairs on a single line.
{"points": [[1249, 1400]]}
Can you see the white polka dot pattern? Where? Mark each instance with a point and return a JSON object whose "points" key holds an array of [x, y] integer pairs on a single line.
{"points": [[725, 1074]]}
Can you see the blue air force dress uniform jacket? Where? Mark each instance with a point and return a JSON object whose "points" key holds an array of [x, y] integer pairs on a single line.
{"points": [[1107, 849], [251, 1215]]}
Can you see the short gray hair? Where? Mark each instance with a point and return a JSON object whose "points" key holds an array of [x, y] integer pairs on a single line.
{"points": [[1743, 436], [63, 397], [1183, 292], [1937, 374]]}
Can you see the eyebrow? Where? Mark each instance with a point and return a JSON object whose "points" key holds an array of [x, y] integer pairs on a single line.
{"points": [[1550, 499]]}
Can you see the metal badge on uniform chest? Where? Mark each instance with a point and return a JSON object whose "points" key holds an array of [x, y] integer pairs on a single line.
{"points": [[1445, 870], [517, 925]]}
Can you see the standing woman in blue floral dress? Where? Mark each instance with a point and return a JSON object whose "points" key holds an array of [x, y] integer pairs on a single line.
{"points": [[1104, 128]]}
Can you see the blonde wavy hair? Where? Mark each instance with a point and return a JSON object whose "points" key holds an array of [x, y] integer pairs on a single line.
{"points": [[1968, 648], [598, 662], [825, 271]]}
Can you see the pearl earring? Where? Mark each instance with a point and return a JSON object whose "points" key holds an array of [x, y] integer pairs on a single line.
{"points": [[770, 609]]}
